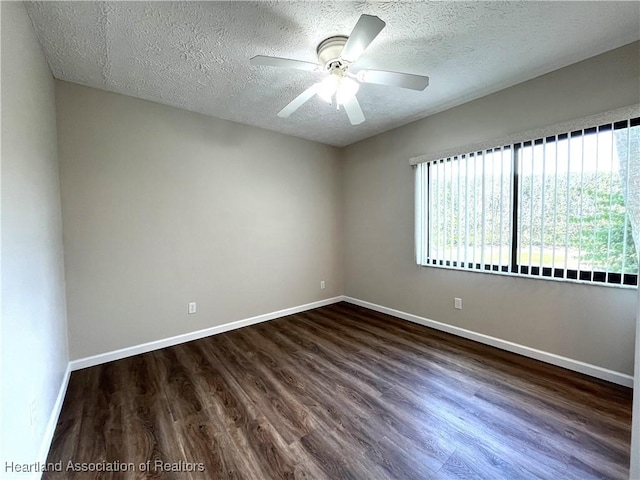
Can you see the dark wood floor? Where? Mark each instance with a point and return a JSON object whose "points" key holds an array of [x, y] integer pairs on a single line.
{"points": [[342, 392]]}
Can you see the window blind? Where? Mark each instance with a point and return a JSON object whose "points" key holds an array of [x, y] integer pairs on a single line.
{"points": [[551, 206]]}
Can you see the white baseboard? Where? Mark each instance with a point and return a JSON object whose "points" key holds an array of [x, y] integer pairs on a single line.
{"points": [[552, 358], [47, 438], [187, 337], [547, 357]]}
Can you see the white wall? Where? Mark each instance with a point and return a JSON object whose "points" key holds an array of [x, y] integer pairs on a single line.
{"points": [[162, 207], [33, 327], [592, 324]]}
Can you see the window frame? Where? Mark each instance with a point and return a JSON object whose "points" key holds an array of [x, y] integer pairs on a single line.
{"points": [[514, 268]]}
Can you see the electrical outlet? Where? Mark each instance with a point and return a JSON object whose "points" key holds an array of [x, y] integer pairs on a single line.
{"points": [[322, 285], [192, 307], [457, 303]]}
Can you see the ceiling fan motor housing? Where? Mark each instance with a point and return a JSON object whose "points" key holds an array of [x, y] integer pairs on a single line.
{"points": [[329, 52]]}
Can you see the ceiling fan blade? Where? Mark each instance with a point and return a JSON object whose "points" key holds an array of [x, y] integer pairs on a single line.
{"points": [[367, 28], [354, 112], [394, 79], [299, 101], [283, 63]]}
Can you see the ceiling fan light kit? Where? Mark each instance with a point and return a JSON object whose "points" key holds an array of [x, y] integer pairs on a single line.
{"points": [[336, 55], [336, 89]]}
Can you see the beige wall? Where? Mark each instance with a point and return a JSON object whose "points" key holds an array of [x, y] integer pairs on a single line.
{"points": [[33, 331], [162, 207], [587, 323]]}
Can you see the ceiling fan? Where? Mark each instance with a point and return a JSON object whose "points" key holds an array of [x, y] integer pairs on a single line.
{"points": [[336, 55]]}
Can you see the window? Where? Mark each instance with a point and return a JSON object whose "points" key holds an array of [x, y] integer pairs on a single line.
{"points": [[547, 207]]}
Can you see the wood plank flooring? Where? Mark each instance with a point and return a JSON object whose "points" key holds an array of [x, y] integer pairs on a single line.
{"points": [[341, 392]]}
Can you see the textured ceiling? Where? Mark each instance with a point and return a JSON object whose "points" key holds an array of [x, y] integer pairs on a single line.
{"points": [[195, 55]]}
